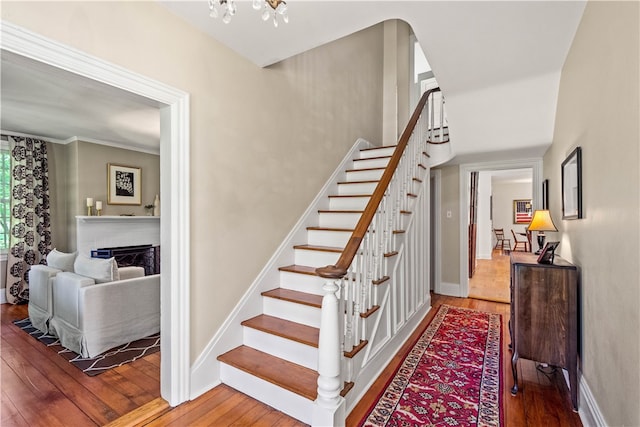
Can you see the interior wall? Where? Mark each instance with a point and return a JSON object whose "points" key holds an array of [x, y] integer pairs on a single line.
{"points": [[504, 193], [396, 84], [263, 141], [598, 110], [58, 158], [450, 221], [484, 240], [92, 161]]}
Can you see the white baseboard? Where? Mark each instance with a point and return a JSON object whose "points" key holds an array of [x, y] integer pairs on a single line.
{"points": [[588, 408], [449, 289], [3, 296]]}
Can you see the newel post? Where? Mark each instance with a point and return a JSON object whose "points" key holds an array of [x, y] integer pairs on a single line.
{"points": [[330, 406]]}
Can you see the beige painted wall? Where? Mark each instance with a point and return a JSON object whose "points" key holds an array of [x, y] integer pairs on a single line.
{"points": [[59, 192], [504, 193], [450, 226], [92, 163], [599, 110], [78, 170], [263, 141]]}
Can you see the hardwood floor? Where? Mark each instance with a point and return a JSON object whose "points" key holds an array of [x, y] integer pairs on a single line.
{"points": [[491, 279], [543, 400], [39, 388]]}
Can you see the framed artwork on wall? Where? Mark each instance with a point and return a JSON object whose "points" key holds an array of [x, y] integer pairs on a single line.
{"points": [[545, 194], [572, 185], [123, 185], [522, 211]]}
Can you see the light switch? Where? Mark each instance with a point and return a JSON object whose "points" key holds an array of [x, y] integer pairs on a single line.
{"points": [[449, 214]]}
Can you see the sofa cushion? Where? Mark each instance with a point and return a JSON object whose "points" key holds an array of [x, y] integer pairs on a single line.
{"points": [[61, 260], [99, 269]]}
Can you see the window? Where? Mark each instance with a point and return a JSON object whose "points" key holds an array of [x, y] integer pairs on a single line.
{"points": [[5, 192]]}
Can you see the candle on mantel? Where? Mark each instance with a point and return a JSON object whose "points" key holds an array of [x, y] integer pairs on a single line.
{"points": [[99, 205], [89, 202]]}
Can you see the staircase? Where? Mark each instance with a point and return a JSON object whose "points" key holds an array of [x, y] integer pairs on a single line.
{"points": [[350, 287], [277, 363]]}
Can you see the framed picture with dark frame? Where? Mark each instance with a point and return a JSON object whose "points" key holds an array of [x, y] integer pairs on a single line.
{"points": [[572, 185], [548, 253], [123, 185], [545, 194]]}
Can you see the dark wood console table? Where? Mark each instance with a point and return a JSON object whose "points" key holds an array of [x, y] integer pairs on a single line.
{"points": [[544, 317]]}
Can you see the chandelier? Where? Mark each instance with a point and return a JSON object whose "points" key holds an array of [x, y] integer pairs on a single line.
{"points": [[270, 8]]}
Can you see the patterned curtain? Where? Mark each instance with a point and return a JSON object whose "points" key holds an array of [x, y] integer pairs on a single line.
{"points": [[30, 239]]}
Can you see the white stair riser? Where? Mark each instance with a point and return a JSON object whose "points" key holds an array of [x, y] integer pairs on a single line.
{"points": [[348, 203], [370, 163], [283, 348], [364, 175], [315, 258], [328, 238], [302, 282], [293, 312], [312, 284], [283, 400], [339, 220], [382, 151], [357, 188]]}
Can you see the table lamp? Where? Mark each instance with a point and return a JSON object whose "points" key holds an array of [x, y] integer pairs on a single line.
{"points": [[541, 222]]}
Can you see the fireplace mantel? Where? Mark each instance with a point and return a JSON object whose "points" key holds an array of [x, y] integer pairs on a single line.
{"points": [[95, 232]]}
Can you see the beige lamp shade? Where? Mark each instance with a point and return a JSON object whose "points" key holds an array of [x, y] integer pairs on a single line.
{"points": [[542, 221]]}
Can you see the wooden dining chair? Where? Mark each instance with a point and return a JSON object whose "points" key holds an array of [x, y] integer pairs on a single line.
{"points": [[520, 245], [501, 242]]}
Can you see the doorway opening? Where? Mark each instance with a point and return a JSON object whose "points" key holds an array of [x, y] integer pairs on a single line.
{"points": [[174, 184], [488, 217]]}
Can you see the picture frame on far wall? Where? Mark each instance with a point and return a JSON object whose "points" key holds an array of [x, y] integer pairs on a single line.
{"points": [[545, 194], [522, 211], [124, 185], [572, 185]]}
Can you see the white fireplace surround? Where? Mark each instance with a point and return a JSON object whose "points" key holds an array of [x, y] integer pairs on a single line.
{"points": [[95, 232]]}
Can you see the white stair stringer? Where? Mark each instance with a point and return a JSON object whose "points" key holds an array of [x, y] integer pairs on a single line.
{"points": [[206, 370], [315, 242]]}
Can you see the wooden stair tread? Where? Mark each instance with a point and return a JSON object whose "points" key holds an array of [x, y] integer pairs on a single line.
{"points": [[348, 230], [339, 211], [300, 269], [372, 158], [319, 248], [382, 147], [365, 169], [304, 298], [290, 376], [284, 328], [372, 181]]}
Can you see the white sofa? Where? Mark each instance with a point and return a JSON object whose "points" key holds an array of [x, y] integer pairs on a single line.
{"points": [[90, 318], [41, 278]]}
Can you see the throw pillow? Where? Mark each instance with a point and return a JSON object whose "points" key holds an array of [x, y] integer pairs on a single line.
{"points": [[61, 260], [99, 269]]}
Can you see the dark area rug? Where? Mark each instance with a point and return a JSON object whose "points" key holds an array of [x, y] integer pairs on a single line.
{"points": [[451, 376], [113, 358]]}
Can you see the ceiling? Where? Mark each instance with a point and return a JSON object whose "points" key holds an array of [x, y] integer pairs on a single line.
{"points": [[498, 64], [41, 100]]}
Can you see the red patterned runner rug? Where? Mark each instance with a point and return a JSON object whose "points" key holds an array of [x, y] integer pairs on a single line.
{"points": [[451, 376]]}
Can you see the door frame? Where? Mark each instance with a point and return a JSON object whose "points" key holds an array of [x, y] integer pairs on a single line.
{"points": [[174, 184], [535, 164]]}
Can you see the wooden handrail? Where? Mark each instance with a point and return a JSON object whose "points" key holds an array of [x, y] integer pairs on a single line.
{"points": [[340, 269]]}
